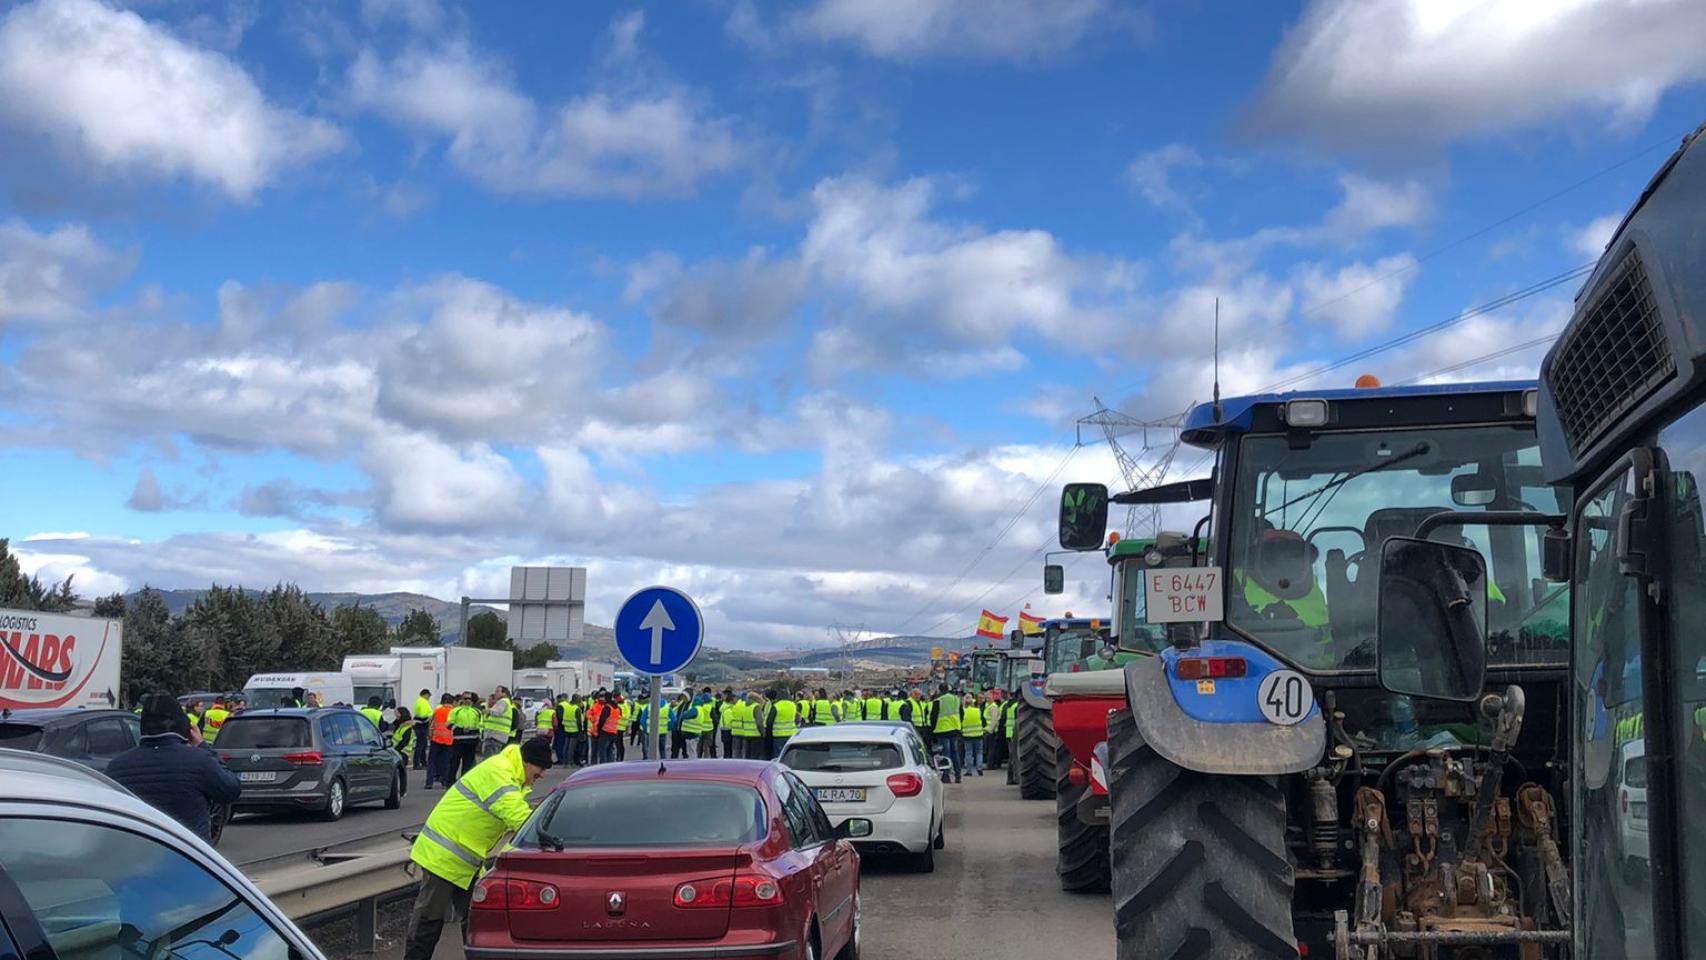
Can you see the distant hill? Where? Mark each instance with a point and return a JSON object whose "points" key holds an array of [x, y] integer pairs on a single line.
{"points": [[599, 642], [713, 665]]}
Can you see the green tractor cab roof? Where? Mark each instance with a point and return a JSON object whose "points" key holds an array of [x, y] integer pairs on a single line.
{"points": [[1356, 407]]}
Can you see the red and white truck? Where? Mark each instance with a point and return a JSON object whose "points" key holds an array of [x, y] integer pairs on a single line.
{"points": [[58, 660]]}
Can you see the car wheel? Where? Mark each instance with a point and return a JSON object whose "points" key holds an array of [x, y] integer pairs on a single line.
{"points": [[218, 815], [810, 950], [395, 798], [941, 839], [925, 861], [334, 800], [850, 949]]}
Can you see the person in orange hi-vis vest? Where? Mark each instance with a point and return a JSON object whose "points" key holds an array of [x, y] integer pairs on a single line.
{"points": [[443, 745]]}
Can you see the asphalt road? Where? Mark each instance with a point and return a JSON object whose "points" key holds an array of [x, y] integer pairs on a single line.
{"points": [[994, 895]]}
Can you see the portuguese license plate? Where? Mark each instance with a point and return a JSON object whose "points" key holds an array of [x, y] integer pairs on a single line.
{"points": [[266, 776], [840, 794]]}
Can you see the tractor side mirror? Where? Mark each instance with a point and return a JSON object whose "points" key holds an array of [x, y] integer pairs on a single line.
{"points": [[1083, 516], [1432, 615], [1054, 578]]}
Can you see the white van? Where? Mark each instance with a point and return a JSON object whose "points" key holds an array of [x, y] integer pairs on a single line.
{"points": [[274, 689]]}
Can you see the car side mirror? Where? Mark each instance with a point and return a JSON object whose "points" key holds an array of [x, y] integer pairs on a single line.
{"points": [[853, 828], [942, 764], [1083, 515], [1431, 616], [1054, 578]]}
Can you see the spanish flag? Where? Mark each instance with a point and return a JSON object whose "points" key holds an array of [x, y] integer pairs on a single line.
{"points": [[1029, 623], [991, 627]]}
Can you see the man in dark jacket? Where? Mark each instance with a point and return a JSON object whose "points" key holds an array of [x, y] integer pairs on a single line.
{"points": [[170, 771]]}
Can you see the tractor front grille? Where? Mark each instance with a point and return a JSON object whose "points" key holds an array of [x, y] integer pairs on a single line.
{"points": [[1612, 358]]}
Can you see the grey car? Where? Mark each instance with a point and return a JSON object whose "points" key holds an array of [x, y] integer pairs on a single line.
{"points": [[323, 760], [90, 737]]}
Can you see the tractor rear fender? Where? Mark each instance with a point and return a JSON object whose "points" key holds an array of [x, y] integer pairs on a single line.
{"points": [[1229, 736]]}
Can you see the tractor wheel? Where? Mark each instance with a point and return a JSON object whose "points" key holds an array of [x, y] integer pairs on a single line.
{"points": [[1199, 860], [1036, 744], [1082, 858]]}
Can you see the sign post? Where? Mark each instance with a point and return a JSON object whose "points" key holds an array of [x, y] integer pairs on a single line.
{"points": [[658, 630]]}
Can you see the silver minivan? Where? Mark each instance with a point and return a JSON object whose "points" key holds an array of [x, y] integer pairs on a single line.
{"points": [[323, 760]]}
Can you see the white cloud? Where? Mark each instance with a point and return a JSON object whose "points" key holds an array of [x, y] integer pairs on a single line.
{"points": [[86, 579], [483, 363], [48, 276], [129, 97], [1359, 298], [1590, 240], [650, 143], [968, 29], [912, 276], [625, 34], [1365, 207], [1151, 174], [422, 483], [1373, 73]]}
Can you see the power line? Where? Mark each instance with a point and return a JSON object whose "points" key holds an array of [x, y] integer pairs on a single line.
{"points": [[1472, 361], [1489, 228], [1011, 523], [1029, 558], [1414, 335]]}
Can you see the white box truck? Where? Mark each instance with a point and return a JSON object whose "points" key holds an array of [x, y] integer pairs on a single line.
{"points": [[276, 689], [536, 685], [454, 670], [58, 660], [590, 675], [394, 679]]}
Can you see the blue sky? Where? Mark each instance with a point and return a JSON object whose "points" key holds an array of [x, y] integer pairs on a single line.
{"points": [[793, 305]]}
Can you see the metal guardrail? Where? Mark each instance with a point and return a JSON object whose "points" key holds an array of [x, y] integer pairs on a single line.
{"points": [[322, 892]]}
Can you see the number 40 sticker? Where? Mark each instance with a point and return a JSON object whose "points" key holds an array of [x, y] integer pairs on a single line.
{"points": [[1285, 697]]}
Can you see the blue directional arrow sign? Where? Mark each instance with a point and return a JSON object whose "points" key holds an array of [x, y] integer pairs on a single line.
{"points": [[659, 630]]}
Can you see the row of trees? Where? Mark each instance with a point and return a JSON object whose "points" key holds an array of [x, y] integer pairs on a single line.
{"points": [[229, 634]]}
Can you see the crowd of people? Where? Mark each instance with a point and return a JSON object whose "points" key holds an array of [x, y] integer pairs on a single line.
{"points": [[753, 724]]}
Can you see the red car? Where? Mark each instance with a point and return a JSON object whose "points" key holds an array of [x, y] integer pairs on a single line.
{"points": [[703, 858]]}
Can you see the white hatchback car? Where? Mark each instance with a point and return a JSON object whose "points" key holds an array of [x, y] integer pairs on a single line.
{"points": [[882, 772]]}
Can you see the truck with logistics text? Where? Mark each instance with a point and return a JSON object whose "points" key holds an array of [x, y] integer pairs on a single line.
{"points": [[1264, 774], [1622, 428], [58, 660], [537, 685]]}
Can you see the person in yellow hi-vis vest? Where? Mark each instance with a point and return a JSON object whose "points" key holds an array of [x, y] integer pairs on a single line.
{"points": [[971, 736], [498, 725], [461, 832]]}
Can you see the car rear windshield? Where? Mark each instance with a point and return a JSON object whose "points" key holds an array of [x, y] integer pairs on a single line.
{"points": [[17, 736], [648, 813], [841, 757], [263, 733]]}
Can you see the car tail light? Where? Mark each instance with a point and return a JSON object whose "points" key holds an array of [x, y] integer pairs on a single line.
{"points": [[1623, 800], [502, 893], [306, 758], [741, 890], [906, 784], [1209, 668]]}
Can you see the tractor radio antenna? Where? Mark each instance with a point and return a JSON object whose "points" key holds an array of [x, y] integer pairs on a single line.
{"points": [[1216, 359]]}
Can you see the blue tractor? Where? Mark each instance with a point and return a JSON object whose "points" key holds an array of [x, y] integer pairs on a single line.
{"points": [[1266, 787]]}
